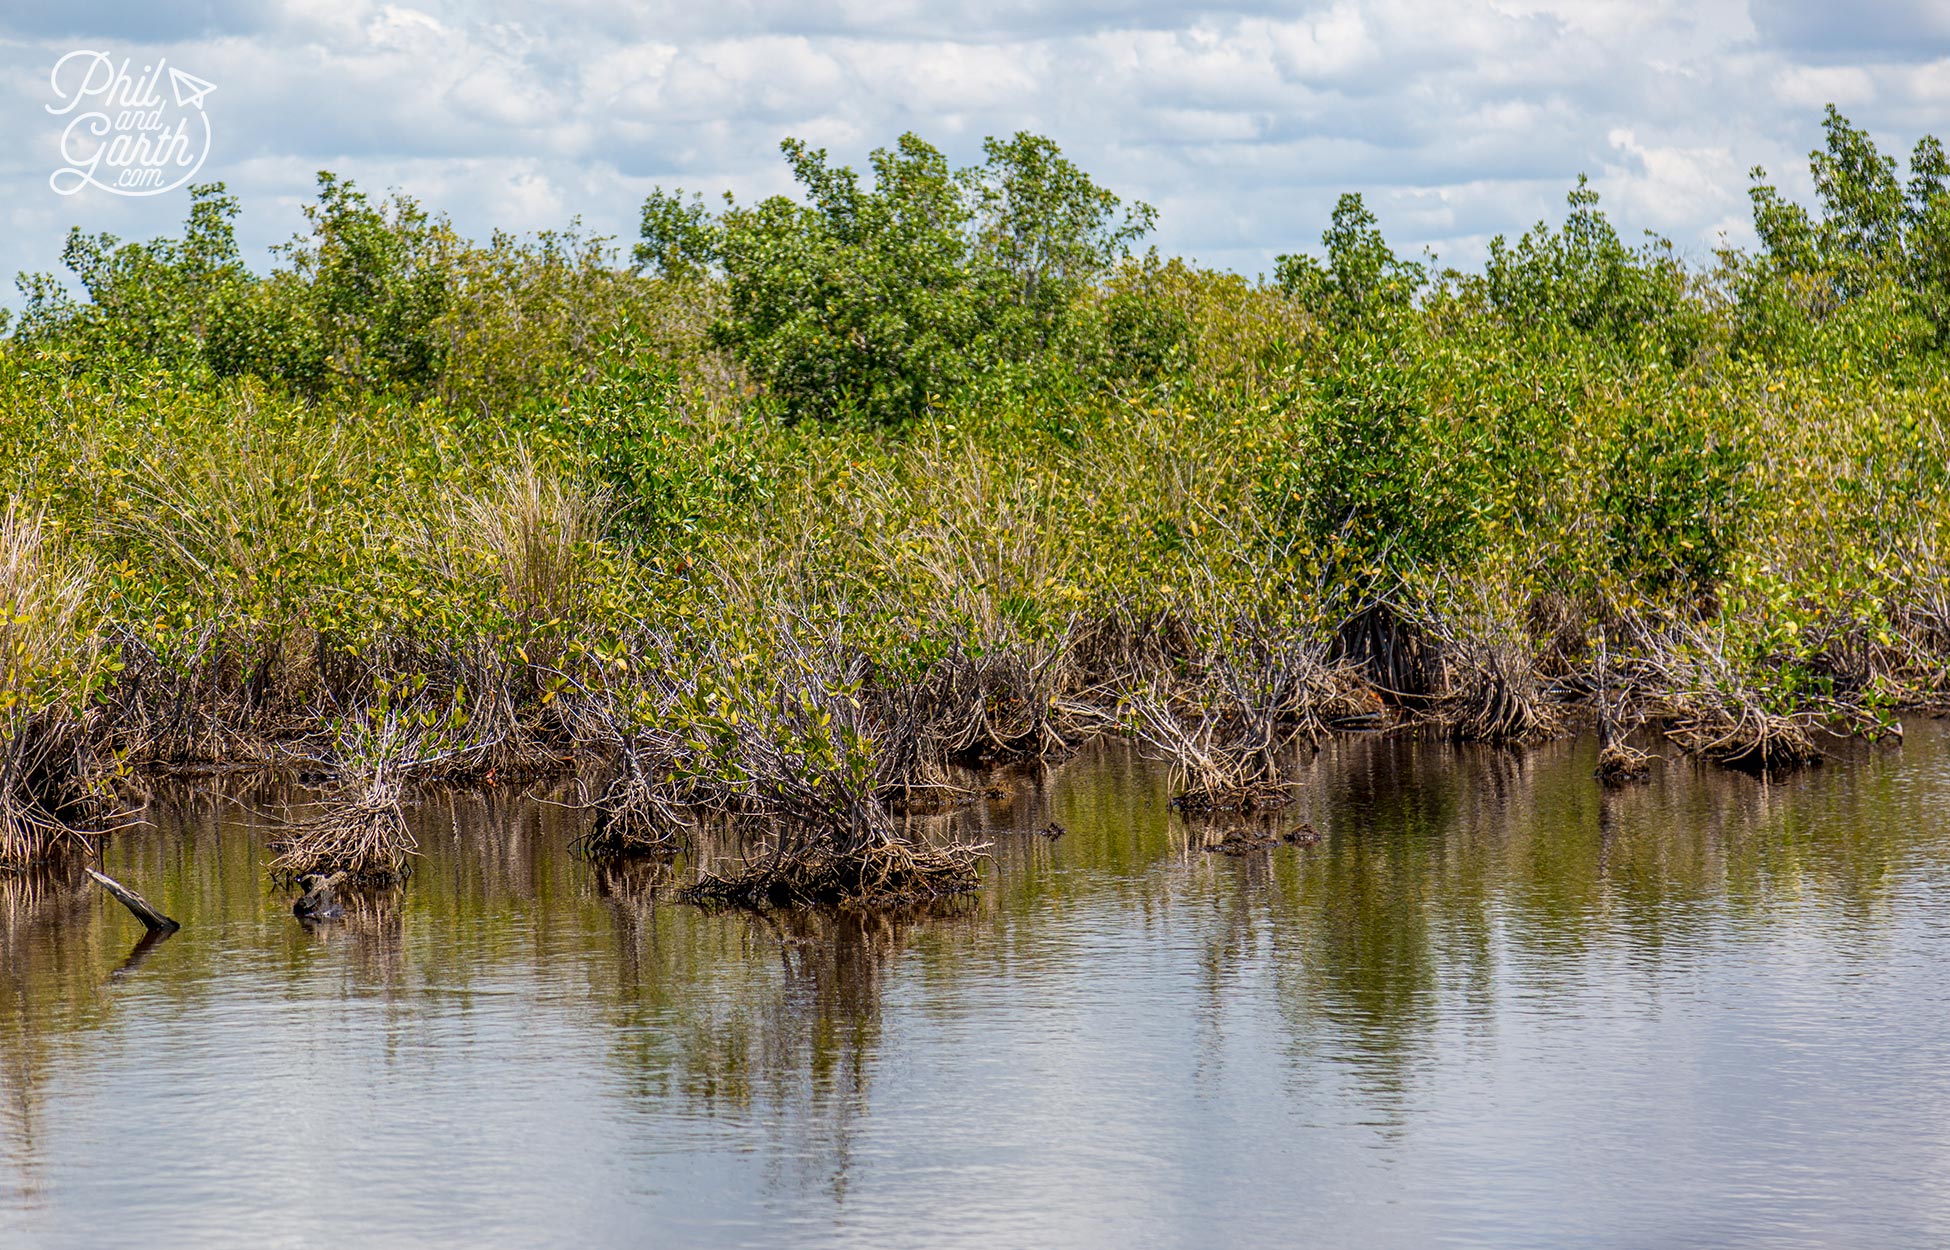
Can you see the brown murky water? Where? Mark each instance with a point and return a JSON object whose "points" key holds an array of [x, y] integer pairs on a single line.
{"points": [[1495, 1006]]}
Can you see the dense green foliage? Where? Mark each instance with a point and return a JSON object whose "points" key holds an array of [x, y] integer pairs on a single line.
{"points": [[886, 302], [934, 412], [1362, 276]]}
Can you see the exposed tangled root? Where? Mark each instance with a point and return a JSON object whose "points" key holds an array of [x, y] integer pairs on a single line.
{"points": [[53, 806], [363, 835], [52, 801], [996, 707], [885, 872], [1752, 740], [1716, 712], [1619, 763], [1258, 796], [1121, 647], [636, 815], [1230, 723], [1355, 705], [972, 712], [912, 730], [511, 759], [1394, 649], [1497, 698]]}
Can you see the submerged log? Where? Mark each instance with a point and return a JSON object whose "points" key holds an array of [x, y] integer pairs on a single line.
{"points": [[151, 919]]}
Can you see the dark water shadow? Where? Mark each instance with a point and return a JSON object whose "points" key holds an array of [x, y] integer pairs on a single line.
{"points": [[144, 947]]}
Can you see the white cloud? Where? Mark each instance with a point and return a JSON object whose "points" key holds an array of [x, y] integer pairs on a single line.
{"points": [[1811, 87], [1669, 189], [1458, 119], [1324, 48]]}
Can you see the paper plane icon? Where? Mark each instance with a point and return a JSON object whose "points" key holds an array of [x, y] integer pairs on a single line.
{"points": [[189, 89]]}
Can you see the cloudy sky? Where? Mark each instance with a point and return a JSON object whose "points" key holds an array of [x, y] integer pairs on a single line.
{"points": [[1458, 119]]}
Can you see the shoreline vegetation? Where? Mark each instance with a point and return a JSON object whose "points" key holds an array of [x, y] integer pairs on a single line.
{"points": [[809, 510]]}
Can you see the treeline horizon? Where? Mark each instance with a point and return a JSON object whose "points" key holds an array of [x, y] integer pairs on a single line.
{"points": [[939, 275]]}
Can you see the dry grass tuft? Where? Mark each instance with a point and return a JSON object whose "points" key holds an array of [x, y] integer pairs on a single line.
{"points": [[542, 534]]}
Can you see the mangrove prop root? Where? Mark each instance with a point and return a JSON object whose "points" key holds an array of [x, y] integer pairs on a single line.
{"points": [[364, 836], [1619, 763], [1497, 701], [634, 816], [52, 801], [1753, 741], [1398, 655], [1228, 753], [884, 872], [1254, 797]]}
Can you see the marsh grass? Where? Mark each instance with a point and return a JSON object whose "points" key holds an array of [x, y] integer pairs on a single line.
{"points": [[543, 538], [45, 607]]}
